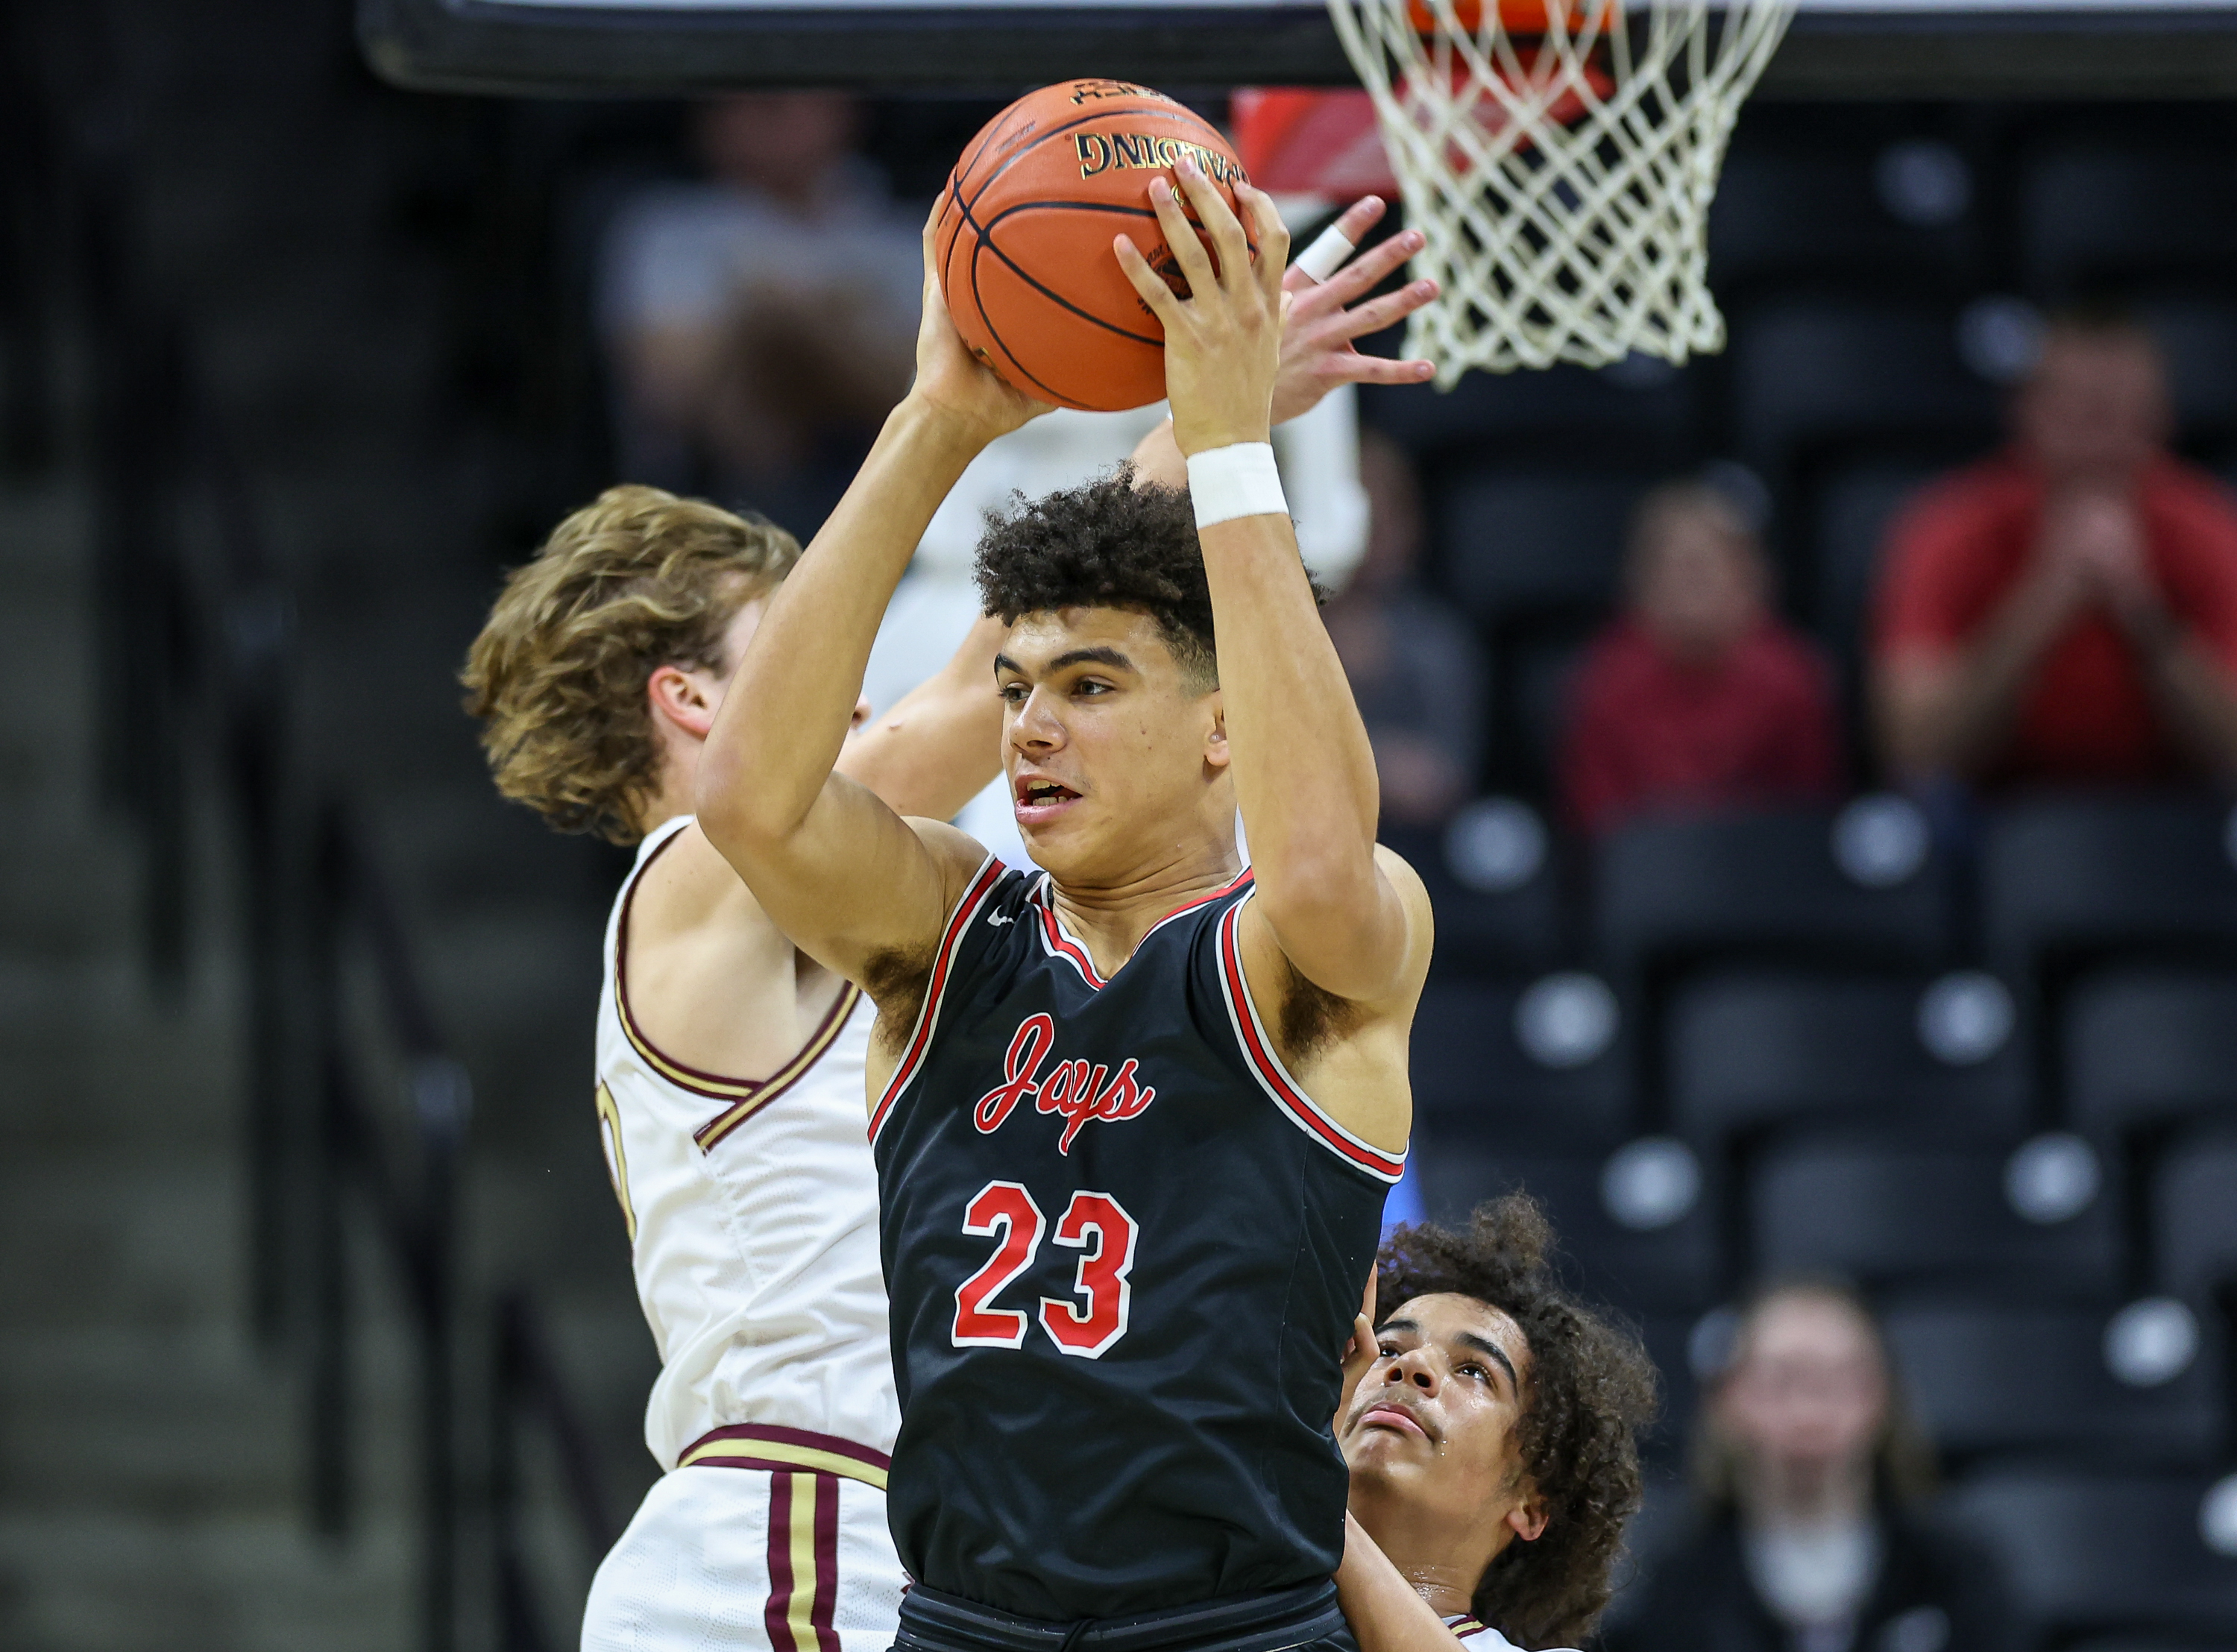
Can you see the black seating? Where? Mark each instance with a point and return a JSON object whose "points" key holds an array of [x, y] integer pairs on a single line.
{"points": [[1794, 214], [1644, 410], [1753, 1049], [1850, 512], [1997, 1380], [1885, 1212], [2195, 1219], [2200, 342], [1810, 375], [1510, 922], [1673, 1268], [2065, 878], [1673, 890], [2145, 1045], [2089, 1552], [1471, 1073], [1518, 545], [2094, 217]]}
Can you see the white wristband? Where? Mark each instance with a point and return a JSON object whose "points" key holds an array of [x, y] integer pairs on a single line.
{"points": [[1226, 483]]}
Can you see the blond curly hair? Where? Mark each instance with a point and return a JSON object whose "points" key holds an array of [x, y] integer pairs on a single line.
{"points": [[636, 580]]}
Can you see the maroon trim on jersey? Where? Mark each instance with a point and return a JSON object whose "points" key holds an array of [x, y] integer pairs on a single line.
{"points": [[927, 1018], [1258, 1051], [801, 1064], [741, 1097], [1059, 943]]}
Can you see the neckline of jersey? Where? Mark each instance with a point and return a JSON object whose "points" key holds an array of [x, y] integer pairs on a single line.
{"points": [[1058, 936]]}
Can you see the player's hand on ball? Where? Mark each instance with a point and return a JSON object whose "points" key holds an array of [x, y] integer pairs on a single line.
{"points": [[950, 378], [1317, 339], [1223, 341]]}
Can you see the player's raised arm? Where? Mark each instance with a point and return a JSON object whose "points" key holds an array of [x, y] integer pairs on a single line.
{"points": [[838, 870], [1304, 775], [941, 743]]}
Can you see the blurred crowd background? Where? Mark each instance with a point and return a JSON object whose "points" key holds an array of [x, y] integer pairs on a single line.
{"points": [[1820, 755]]}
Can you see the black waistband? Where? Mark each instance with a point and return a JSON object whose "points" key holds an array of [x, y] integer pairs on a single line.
{"points": [[932, 1621]]}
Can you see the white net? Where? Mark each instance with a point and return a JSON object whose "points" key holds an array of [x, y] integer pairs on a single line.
{"points": [[1562, 178]]}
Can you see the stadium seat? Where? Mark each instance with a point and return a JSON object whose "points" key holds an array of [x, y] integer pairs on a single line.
{"points": [[1492, 881], [2096, 217], [2091, 1552], [2144, 1046], [2195, 1219], [1812, 214], [1473, 1074], [1643, 410], [1809, 375], [1523, 545], [2200, 341], [1675, 890], [1990, 1378], [2065, 878], [1672, 1268], [1850, 514], [1885, 1212], [1747, 1050]]}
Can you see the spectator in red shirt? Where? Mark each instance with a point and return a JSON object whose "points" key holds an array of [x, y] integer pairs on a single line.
{"points": [[2066, 612], [1698, 696]]}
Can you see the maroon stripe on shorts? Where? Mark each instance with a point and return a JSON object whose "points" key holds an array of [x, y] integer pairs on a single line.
{"points": [[777, 1612], [827, 1563]]}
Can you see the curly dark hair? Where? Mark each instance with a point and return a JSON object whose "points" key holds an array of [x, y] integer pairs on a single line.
{"points": [[1589, 1393], [1106, 543]]}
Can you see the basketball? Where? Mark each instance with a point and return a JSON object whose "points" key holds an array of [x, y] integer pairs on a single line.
{"points": [[1023, 239]]}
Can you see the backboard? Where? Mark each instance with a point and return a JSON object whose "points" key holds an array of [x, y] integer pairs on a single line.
{"points": [[2043, 48]]}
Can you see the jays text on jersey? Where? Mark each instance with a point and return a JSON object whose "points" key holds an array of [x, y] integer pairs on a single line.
{"points": [[1123, 1250]]}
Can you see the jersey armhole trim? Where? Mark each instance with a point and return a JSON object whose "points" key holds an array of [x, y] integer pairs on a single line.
{"points": [[983, 884], [1258, 1054], [746, 1096], [803, 1059]]}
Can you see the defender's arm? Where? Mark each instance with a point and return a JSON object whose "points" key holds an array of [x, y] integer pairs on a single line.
{"points": [[1305, 773], [1385, 1612], [837, 869], [941, 743]]}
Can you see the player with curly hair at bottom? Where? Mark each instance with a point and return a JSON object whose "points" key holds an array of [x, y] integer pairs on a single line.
{"points": [[1492, 1440]]}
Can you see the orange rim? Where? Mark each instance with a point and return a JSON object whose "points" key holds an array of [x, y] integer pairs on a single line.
{"points": [[1516, 16]]}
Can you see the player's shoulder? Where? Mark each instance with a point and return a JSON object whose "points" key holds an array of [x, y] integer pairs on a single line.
{"points": [[1421, 916], [963, 861], [685, 887]]}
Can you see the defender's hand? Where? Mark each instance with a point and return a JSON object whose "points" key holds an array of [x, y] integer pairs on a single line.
{"points": [[1223, 341], [1317, 339], [953, 381]]}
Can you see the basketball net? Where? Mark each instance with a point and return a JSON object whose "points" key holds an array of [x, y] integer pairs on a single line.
{"points": [[1560, 160]]}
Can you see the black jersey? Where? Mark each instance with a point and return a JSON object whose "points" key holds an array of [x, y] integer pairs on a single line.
{"points": [[1123, 1252]]}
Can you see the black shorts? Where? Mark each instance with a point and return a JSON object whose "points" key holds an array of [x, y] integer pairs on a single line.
{"points": [[1304, 1619]]}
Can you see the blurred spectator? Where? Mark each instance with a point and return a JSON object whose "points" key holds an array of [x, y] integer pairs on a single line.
{"points": [[1698, 695], [761, 322], [1415, 665], [1809, 1479], [2066, 611]]}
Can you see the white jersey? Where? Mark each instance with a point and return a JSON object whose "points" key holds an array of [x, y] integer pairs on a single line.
{"points": [[752, 1210]]}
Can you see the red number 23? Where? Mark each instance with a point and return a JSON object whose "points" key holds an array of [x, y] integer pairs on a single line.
{"points": [[1095, 1224]]}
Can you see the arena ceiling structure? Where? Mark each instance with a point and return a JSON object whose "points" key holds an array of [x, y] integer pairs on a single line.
{"points": [[1836, 49]]}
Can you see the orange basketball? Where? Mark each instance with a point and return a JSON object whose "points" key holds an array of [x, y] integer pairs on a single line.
{"points": [[1023, 240]]}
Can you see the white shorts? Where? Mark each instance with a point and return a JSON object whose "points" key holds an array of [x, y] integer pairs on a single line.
{"points": [[773, 1560]]}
